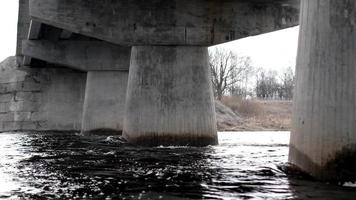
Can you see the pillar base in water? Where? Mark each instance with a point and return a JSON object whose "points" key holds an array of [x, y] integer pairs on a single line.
{"points": [[323, 138], [104, 104], [169, 98]]}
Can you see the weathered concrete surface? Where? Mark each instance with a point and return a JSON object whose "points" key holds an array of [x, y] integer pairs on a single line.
{"points": [[324, 105], [80, 55], [34, 30], [40, 99], [169, 97], [104, 105], [103, 113], [22, 27], [33, 33], [8, 64], [173, 22]]}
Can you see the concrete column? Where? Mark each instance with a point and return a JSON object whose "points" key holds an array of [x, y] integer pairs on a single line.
{"points": [[323, 140], [104, 103], [169, 99]]}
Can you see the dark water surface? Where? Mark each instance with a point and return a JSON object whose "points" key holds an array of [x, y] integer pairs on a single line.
{"points": [[245, 165]]}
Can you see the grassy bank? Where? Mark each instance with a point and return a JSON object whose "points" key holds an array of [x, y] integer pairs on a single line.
{"points": [[261, 115]]}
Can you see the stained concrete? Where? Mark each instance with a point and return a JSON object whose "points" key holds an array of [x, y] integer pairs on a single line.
{"points": [[80, 55], [104, 104], [324, 103], [22, 27], [169, 97], [40, 99], [173, 22]]}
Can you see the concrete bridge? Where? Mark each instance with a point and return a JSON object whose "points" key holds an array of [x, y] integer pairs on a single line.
{"points": [[141, 68]]}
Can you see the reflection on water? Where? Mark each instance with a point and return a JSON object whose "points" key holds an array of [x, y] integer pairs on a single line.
{"points": [[70, 166]]}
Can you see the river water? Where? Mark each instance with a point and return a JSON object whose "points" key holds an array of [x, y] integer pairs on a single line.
{"points": [[245, 165]]}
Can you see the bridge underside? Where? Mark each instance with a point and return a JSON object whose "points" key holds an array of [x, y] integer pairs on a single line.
{"points": [[169, 97], [173, 22], [148, 76]]}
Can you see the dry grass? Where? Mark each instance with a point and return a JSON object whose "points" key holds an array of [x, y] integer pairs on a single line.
{"points": [[243, 107], [260, 115]]}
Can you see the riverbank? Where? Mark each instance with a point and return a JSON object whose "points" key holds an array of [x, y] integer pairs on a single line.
{"points": [[258, 115]]}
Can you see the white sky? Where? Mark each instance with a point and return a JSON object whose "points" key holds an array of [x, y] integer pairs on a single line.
{"points": [[8, 27], [271, 51], [276, 50]]}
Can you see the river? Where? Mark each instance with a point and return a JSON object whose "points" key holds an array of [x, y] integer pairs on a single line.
{"points": [[245, 165]]}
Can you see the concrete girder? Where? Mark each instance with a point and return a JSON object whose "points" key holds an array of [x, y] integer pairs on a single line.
{"points": [[22, 28], [174, 22], [65, 34], [33, 33], [49, 32], [80, 55]]}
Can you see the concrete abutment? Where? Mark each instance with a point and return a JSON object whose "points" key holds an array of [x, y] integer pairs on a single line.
{"points": [[169, 97], [48, 99], [323, 139]]}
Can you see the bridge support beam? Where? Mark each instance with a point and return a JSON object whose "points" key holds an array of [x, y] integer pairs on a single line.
{"points": [[169, 99], [104, 103], [79, 55], [323, 139]]}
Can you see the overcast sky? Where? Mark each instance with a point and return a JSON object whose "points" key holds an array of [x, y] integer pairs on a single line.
{"points": [[272, 51], [8, 27], [276, 50]]}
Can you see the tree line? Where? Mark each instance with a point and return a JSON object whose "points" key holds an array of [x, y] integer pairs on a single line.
{"points": [[234, 75]]}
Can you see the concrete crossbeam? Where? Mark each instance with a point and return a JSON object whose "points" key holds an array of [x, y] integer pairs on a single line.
{"points": [[174, 22], [80, 55]]}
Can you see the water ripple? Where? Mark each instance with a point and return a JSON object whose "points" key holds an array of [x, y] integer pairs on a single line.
{"points": [[72, 166]]}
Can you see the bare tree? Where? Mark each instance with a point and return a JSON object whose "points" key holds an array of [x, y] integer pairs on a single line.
{"points": [[228, 70], [287, 86], [268, 86]]}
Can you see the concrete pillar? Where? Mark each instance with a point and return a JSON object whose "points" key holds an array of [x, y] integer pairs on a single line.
{"points": [[323, 139], [169, 99], [104, 103]]}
